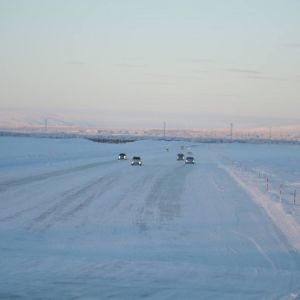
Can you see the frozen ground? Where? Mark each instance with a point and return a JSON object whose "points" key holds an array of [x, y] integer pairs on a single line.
{"points": [[75, 223]]}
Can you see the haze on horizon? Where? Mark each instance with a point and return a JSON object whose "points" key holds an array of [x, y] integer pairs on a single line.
{"points": [[188, 62]]}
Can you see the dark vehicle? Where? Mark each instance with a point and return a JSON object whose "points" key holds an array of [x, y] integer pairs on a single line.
{"points": [[190, 160], [122, 156], [180, 156], [136, 161]]}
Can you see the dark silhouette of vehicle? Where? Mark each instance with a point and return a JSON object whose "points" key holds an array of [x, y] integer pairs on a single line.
{"points": [[122, 156], [189, 160], [136, 161], [180, 156]]}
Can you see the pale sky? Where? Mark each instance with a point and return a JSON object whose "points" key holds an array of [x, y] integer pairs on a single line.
{"points": [[180, 61]]}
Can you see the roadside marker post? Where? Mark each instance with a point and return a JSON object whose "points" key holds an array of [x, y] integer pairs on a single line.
{"points": [[280, 193]]}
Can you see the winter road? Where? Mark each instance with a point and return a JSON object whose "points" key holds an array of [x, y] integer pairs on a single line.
{"points": [[98, 228]]}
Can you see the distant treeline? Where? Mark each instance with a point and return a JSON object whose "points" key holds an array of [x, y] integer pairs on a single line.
{"points": [[97, 139], [112, 140], [39, 135], [119, 139]]}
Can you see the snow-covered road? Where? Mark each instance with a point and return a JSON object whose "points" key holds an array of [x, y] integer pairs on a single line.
{"points": [[75, 223]]}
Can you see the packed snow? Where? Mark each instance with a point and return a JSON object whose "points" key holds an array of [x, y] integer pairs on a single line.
{"points": [[77, 223]]}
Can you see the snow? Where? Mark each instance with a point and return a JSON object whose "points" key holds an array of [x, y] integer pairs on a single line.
{"points": [[275, 211], [76, 223], [270, 173]]}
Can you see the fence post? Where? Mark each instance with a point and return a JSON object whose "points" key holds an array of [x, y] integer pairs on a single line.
{"points": [[267, 183], [295, 194], [280, 193]]}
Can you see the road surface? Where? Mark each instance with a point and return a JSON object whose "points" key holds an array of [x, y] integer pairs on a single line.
{"points": [[166, 230]]}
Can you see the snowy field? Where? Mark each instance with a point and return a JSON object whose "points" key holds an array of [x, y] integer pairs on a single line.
{"points": [[76, 223]]}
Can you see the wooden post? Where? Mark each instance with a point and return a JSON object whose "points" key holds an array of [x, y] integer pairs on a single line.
{"points": [[280, 193]]}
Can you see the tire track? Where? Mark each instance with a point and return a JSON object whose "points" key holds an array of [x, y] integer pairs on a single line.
{"points": [[18, 214], [115, 203], [162, 204], [71, 204], [9, 184], [124, 202]]}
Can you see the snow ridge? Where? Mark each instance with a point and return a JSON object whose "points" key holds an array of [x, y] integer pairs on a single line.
{"points": [[285, 222]]}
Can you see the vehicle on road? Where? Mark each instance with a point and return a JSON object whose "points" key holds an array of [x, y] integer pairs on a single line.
{"points": [[136, 161], [122, 156], [180, 156], [189, 160]]}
